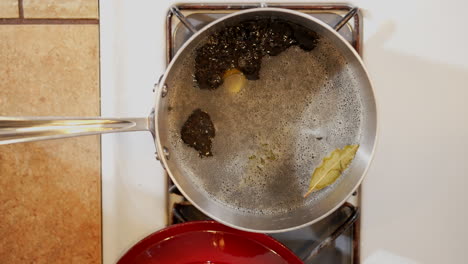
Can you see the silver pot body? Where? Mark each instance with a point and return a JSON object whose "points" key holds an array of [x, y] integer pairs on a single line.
{"points": [[257, 222]]}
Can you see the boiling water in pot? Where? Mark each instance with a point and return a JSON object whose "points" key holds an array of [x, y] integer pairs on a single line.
{"points": [[272, 133]]}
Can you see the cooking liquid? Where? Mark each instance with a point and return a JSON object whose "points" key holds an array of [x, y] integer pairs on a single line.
{"points": [[272, 133]]}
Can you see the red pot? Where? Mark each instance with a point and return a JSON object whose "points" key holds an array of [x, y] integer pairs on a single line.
{"points": [[204, 242]]}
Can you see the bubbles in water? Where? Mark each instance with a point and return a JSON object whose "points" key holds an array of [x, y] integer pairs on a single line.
{"points": [[300, 97]]}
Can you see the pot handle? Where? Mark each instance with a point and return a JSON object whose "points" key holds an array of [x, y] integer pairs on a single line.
{"points": [[26, 129]]}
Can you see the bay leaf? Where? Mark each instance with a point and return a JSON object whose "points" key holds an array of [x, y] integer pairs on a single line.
{"points": [[331, 168]]}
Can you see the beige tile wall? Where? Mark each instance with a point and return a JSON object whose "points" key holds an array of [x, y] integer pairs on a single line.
{"points": [[60, 8], [50, 191], [9, 8], [49, 70]]}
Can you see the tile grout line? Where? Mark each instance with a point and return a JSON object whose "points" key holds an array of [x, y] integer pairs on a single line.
{"points": [[52, 21], [20, 9], [21, 20]]}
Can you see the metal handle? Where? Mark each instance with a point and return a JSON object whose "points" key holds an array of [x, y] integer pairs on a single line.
{"points": [[182, 18], [346, 18], [339, 231], [25, 129]]}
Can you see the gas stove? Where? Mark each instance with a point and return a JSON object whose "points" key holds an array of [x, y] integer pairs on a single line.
{"points": [[334, 239]]}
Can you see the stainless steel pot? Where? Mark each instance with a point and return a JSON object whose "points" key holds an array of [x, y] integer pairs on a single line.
{"points": [[202, 180]]}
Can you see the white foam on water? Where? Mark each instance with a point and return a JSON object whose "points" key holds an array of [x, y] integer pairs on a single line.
{"points": [[304, 106]]}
